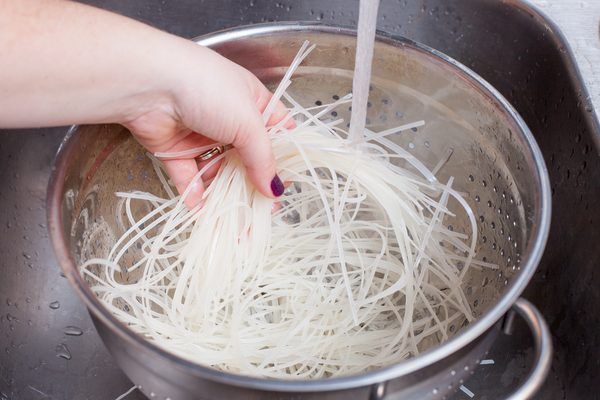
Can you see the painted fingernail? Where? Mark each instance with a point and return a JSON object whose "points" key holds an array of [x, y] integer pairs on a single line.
{"points": [[277, 186]]}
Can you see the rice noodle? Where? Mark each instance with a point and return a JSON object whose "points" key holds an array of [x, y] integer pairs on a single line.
{"points": [[354, 271]]}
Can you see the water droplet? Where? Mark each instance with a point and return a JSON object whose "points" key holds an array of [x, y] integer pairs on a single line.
{"points": [[62, 351], [55, 305], [73, 331]]}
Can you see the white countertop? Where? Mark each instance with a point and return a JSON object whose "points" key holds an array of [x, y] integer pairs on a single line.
{"points": [[579, 21]]}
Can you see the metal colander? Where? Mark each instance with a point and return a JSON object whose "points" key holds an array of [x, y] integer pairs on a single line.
{"points": [[470, 129]]}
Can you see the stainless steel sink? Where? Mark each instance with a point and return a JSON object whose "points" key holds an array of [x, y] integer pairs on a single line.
{"points": [[44, 356]]}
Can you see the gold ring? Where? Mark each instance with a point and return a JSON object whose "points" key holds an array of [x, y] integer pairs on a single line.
{"points": [[215, 151]]}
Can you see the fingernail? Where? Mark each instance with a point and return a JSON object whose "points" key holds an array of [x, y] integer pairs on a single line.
{"points": [[277, 186]]}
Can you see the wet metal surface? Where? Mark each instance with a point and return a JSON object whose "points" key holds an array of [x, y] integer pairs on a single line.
{"points": [[41, 357]]}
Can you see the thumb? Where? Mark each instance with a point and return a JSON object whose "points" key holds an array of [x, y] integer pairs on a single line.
{"points": [[254, 148]]}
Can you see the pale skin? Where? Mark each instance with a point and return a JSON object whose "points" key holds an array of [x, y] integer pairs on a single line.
{"points": [[65, 63]]}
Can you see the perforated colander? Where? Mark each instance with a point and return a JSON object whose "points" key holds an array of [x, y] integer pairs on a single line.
{"points": [[470, 129]]}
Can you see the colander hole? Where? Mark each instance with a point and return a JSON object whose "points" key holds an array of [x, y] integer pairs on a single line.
{"points": [[477, 198], [334, 113], [427, 144], [452, 328], [499, 210], [508, 260], [507, 216], [515, 244], [485, 282], [495, 189], [414, 129], [476, 303], [471, 178], [502, 231], [481, 218], [502, 252], [411, 145], [385, 101], [505, 282], [493, 225], [335, 97], [484, 239], [450, 228], [399, 115], [489, 203], [509, 238], [369, 104], [484, 259], [484, 183], [318, 102], [503, 195], [494, 246]]}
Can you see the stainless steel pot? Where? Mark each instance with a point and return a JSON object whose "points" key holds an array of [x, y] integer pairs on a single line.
{"points": [[487, 147]]}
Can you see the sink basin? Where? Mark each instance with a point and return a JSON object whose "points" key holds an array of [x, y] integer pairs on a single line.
{"points": [[48, 346]]}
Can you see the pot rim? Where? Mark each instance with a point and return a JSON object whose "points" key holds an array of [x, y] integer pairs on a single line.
{"points": [[531, 258]]}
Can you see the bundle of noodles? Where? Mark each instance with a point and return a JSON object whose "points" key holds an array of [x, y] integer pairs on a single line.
{"points": [[355, 270]]}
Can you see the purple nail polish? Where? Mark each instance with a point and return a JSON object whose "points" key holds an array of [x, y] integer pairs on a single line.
{"points": [[277, 186]]}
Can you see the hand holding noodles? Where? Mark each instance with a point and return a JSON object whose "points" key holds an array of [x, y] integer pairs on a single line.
{"points": [[356, 270]]}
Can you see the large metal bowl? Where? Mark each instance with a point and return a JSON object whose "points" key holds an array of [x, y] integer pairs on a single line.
{"points": [[492, 155]]}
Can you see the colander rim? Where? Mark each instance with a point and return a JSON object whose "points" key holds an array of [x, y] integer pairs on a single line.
{"points": [[465, 337]]}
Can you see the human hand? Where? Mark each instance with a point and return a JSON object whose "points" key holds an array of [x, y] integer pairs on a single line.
{"points": [[82, 65], [221, 101]]}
